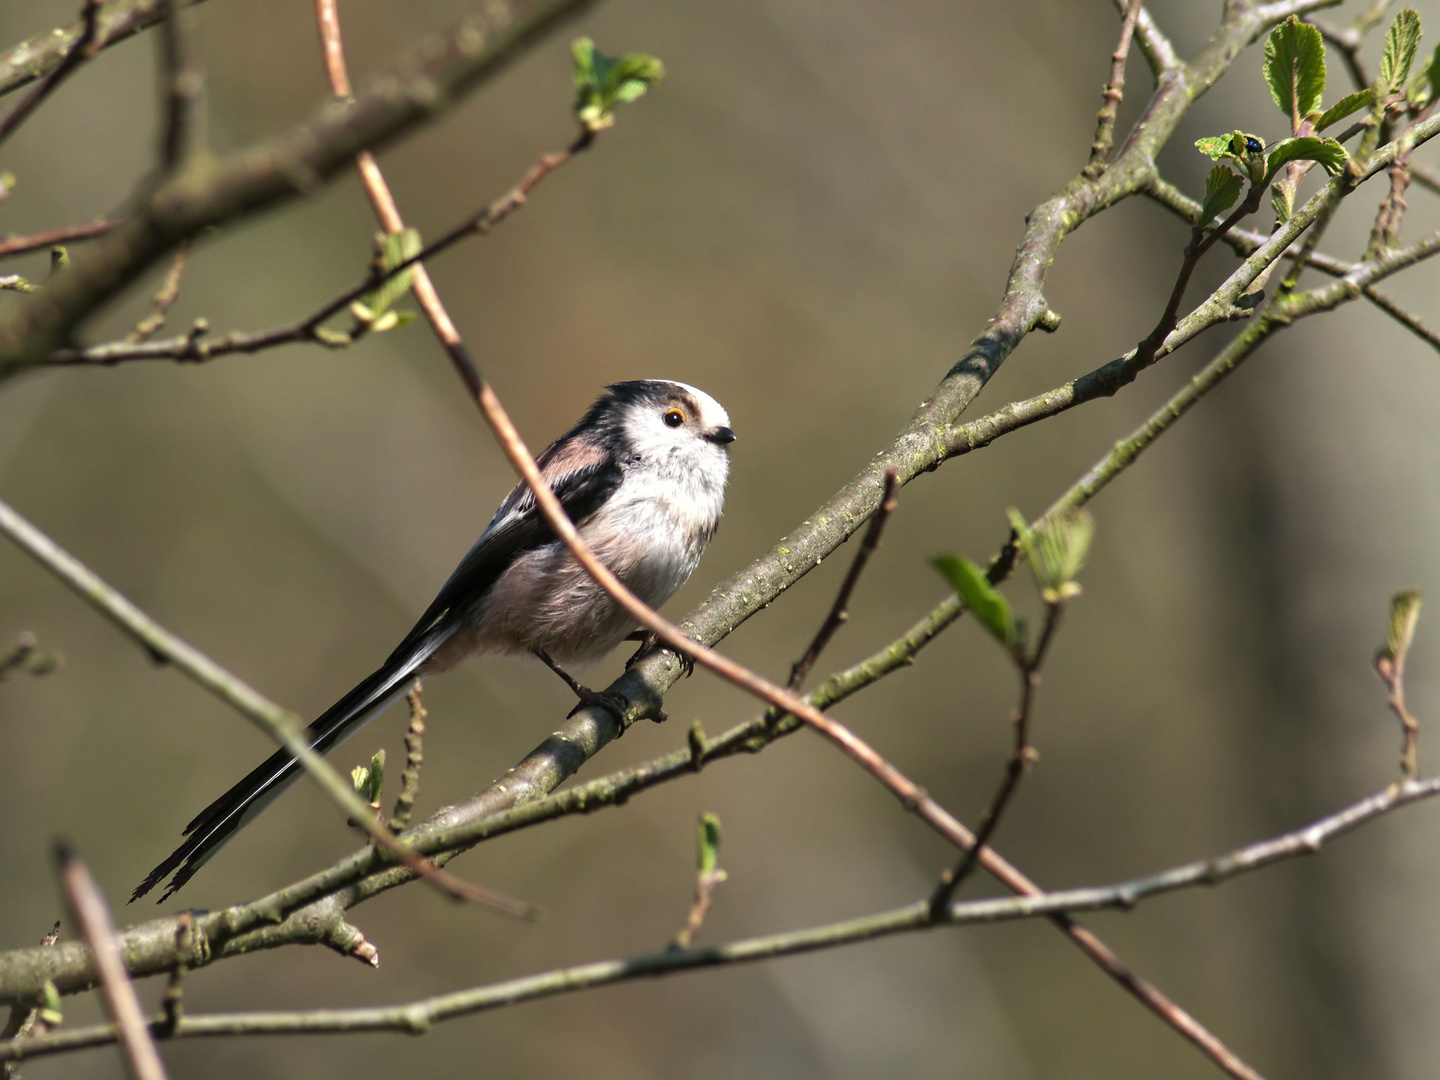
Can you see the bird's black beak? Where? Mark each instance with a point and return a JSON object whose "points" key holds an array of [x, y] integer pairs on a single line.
{"points": [[721, 436]]}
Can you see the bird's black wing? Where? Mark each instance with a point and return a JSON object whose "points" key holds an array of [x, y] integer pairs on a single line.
{"points": [[581, 477]]}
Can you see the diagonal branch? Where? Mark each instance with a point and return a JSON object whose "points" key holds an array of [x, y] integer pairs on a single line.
{"points": [[280, 724], [40, 55]]}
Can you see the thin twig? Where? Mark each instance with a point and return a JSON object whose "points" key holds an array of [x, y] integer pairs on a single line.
{"points": [[280, 724], [19, 245], [414, 759], [1112, 95], [84, 48], [26, 1020], [840, 610], [92, 918], [416, 1017], [1021, 758], [169, 292]]}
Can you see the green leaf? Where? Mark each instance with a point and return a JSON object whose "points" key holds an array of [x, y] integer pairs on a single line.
{"points": [[369, 781], [1401, 41], [1295, 68], [602, 82], [1222, 188], [987, 605], [1282, 200], [1214, 146], [1327, 152], [391, 249], [1056, 550], [1420, 89], [707, 849], [1346, 106], [50, 1004]]}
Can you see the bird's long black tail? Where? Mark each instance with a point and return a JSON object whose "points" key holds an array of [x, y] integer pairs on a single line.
{"points": [[227, 815]]}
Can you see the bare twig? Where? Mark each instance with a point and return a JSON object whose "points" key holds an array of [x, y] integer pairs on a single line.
{"points": [[1112, 95], [92, 918], [15, 283], [25, 1020], [280, 724], [840, 610], [414, 758], [19, 245], [169, 292], [84, 48], [416, 1017], [1021, 758]]}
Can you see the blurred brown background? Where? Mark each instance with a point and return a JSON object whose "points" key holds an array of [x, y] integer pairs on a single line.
{"points": [[808, 219]]}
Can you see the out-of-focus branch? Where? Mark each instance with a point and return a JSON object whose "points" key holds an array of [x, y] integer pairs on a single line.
{"points": [[424, 83], [169, 292], [181, 80], [91, 915], [416, 1017], [84, 48], [280, 724], [42, 54], [19, 245]]}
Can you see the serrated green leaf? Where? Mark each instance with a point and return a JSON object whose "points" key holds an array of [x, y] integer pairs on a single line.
{"points": [[1056, 550], [1215, 147], [1295, 68], [1222, 189], [1330, 155], [1346, 106], [1401, 41], [1282, 200], [602, 82], [987, 605], [707, 848]]}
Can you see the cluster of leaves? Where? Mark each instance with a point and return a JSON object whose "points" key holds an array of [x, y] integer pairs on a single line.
{"points": [[603, 82], [369, 780], [1295, 72], [1056, 550]]}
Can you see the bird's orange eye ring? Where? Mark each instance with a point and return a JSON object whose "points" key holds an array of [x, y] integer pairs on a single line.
{"points": [[674, 418]]}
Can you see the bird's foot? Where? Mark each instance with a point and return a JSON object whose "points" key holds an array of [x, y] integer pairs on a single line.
{"points": [[650, 640], [605, 699]]}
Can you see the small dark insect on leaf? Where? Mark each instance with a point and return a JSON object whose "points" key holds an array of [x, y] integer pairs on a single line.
{"points": [[1254, 145]]}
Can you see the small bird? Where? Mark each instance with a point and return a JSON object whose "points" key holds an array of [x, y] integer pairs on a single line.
{"points": [[642, 475]]}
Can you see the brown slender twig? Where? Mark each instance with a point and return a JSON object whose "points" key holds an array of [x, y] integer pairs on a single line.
{"points": [[1390, 666], [1021, 758], [182, 81], [839, 612], [92, 918], [19, 245], [84, 48], [1112, 95]]}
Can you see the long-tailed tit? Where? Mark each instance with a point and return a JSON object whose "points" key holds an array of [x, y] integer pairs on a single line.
{"points": [[642, 475]]}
